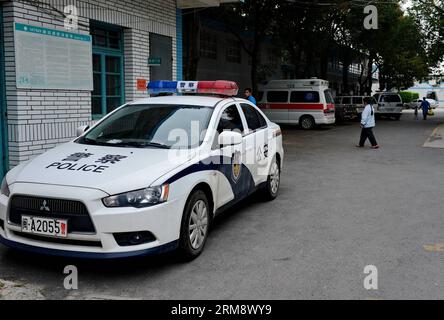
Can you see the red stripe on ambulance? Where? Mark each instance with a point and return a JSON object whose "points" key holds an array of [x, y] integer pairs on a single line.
{"points": [[295, 106]]}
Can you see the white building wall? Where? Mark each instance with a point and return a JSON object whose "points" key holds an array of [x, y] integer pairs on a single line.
{"points": [[40, 119]]}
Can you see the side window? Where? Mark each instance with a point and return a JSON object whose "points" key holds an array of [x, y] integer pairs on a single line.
{"points": [[230, 120], [277, 96], [255, 120], [346, 100], [305, 97], [357, 100]]}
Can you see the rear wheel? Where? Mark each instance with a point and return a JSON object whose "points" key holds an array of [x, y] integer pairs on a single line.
{"points": [[307, 122], [195, 225]]}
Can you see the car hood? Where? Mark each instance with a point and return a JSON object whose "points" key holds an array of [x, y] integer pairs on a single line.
{"points": [[110, 169]]}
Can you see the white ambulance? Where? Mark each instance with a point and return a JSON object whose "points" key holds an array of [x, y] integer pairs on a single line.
{"points": [[307, 102]]}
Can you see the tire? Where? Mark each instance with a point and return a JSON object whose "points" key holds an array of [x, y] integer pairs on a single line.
{"points": [[271, 189], [196, 213], [307, 122]]}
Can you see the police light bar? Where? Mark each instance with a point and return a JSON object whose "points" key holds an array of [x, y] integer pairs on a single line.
{"points": [[219, 87]]}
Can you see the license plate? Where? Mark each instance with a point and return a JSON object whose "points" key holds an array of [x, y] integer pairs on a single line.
{"points": [[45, 226]]}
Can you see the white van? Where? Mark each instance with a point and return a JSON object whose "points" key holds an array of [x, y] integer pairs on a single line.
{"points": [[350, 107], [389, 105], [307, 102]]}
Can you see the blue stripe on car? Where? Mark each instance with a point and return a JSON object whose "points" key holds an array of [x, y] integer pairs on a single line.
{"points": [[241, 188]]}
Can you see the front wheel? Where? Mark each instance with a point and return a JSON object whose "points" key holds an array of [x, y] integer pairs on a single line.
{"points": [[195, 226], [273, 183]]}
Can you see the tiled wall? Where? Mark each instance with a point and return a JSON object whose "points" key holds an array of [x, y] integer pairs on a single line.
{"points": [[41, 119]]}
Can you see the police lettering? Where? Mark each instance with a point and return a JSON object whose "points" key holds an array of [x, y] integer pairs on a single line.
{"points": [[77, 167]]}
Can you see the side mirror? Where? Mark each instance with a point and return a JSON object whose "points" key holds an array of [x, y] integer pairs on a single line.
{"points": [[230, 138], [81, 130]]}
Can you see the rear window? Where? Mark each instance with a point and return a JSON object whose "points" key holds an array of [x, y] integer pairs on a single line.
{"points": [[305, 97], [390, 98], [328, 97], [277, 96]]}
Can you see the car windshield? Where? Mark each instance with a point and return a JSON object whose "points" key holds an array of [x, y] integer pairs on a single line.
{"points": [[152, 126]]}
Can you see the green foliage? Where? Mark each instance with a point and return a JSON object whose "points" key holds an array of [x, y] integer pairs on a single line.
{"points": [[429, 17], [308, 32], [408, 96]]}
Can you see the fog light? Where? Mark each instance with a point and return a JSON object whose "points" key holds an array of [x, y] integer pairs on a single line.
{"points": [[127, 239]]}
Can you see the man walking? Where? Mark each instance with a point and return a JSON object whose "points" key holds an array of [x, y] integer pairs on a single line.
{"points": [[367, 124], [425, 105], [249, 96]]}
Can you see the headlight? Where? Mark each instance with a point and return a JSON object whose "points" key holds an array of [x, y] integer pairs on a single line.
{"points": [[139, 198], [4, 188]]}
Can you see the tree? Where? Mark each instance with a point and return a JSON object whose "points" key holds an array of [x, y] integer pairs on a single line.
{"points": [[429, 16], [306, 32], [396, 47], [251, 22]]}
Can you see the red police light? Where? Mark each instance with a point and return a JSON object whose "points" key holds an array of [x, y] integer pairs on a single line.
{"points": [[219, 87]]}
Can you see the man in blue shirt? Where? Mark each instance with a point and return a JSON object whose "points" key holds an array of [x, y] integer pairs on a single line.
{"points": [[367, 124], [249, 96], [425, 105]]}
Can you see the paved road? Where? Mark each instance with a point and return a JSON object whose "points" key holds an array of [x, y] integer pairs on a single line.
{"points": [[340, 209]]}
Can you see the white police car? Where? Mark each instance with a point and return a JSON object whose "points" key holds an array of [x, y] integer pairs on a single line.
{"points": [[146, 179]]}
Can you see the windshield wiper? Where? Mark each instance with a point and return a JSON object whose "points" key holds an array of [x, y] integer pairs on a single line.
{"points": [[89, 141], [141, 144], [134, 144]]}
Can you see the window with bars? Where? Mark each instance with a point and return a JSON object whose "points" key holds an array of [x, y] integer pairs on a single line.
{"points": [[208, 45], [234, 51], [108, 91]]}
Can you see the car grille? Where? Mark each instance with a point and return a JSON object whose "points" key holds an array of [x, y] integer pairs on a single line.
{"points": [[74, 212]]}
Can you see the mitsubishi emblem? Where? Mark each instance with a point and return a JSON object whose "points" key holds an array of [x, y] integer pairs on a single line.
{"points": [[44, 206]]}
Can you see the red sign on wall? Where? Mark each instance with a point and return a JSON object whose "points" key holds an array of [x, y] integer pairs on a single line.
{"points": [[141, 84]]}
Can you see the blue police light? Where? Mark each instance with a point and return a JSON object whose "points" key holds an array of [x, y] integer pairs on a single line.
{"points": [[156, 87]]}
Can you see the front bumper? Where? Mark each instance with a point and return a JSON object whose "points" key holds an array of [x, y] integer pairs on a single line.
{"points": [[162, 221]]}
